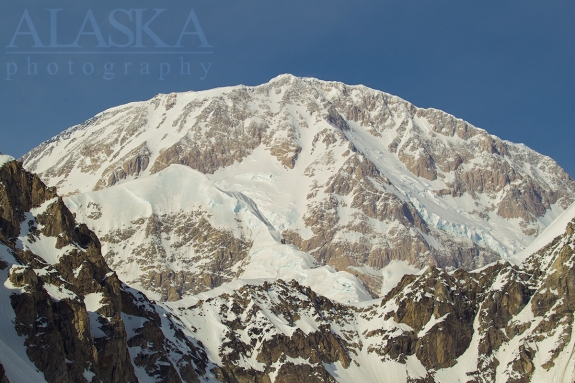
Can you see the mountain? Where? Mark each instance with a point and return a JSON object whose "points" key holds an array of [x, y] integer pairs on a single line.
{"points": [[293, 179], [66, 317]]}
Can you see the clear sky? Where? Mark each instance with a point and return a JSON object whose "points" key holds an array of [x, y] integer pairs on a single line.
{"points": [[505, 66]]}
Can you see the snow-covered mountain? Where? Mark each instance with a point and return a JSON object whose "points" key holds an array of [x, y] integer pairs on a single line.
{"points": [[297, 178], [65, 317]]}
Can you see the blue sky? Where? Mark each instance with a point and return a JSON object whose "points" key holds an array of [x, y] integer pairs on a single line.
{"points": [[505, 66]]}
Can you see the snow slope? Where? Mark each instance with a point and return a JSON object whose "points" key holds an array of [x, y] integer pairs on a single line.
{"points": [[4, 159], [552, 231], [183, 191]]}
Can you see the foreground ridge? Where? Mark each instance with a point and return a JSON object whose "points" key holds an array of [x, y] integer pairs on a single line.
{"points": [[504, 323], [66, 317]]}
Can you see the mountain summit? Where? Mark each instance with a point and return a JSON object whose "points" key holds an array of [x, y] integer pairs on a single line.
{"points": [[303, 179]]}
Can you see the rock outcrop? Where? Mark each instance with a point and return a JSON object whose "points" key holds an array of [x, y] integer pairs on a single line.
{"points": [[3, 378]]}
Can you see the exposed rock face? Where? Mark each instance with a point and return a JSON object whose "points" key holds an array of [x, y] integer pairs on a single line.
{"points": [[195, 233], [24, 191], [356, 177], [3, 378], [132, 165]]}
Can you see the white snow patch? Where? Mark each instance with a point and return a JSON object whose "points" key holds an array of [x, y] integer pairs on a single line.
{"points": [[88, 375], [429, 325], [36, 211], [93, 301], [5, 159], [393, 273], [59, 293]]}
